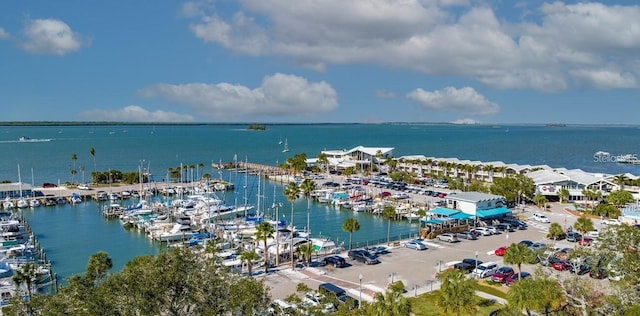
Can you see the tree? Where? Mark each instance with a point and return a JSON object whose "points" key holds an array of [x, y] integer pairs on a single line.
{"points": [[563, 194], [540, 200], [98, 266], [74, 158], [513, 187], [323, 160], [305, 251], [540, 294], [620, 180], [619, 198], [265, 231], [518, 254], [555, 231], [27, 274], [390, 303], [92, 152], [249, 257], [389, 212], [457, 293], [292, 192], [307, 187], [583, 224], [350, 225]]}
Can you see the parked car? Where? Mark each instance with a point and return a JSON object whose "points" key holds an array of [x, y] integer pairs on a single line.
{"points": [[518, 224], [377, 250], [494, 230], [316, 299], [416, 245], [448, 237], [336, 261], [514, 278], [466, 235], [541, 218], [483, 231], [462, 266], [598, 273], [84, 187], [500, 251], [526, 242], [472, 261], [505, 227], [333, 291], [580, 269], [538, 246], [585, 241], [573, 236], [611, 221], [363, 256], [561, 265], [486, 269], [502, 274]]}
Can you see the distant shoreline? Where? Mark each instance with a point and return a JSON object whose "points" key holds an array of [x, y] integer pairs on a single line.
{"points": [[491, 125]]}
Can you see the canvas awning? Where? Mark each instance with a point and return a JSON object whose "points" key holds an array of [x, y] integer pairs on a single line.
{"points": [[498, 211], [442, 211]]}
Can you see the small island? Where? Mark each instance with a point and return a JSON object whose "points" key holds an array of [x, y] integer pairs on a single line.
{"points": [[257, 127]]}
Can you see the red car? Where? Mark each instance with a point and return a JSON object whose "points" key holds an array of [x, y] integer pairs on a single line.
{"points": [[561, 265], [585, 241], [500, 251], [384, 194], [503, 274]]}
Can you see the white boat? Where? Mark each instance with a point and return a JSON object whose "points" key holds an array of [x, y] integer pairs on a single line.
{"points": [[113, 196], [7, 204], [76, 198], [286, 146], [33, 140], [177, 232], [323, 246], [34, 203], [22, 203]]}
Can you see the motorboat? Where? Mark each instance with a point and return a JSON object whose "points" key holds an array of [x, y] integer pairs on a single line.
{"points": [[7, 204], [33, 140], [76, 198], [176, 233], [34, 203], [22, 203]]}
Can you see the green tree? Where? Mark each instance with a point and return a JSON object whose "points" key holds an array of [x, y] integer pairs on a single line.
{"points": [[457, 293], [583, 224], [350, 225], [620, 198], [540, 200], [323, 161], [92, 152], [555, 231], [98, 266], [27, 274], [389, 212], [513, 188], [563, 194], [74, 158], [305, 251], [292, 192], [390, 303], [518, 254], [308, 187], [620, 180], [264, 231], [541, 294], [249, 257]]}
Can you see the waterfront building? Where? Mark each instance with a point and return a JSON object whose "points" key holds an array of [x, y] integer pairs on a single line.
{"points": [[360, 155], [15, 190], [477, 204]]}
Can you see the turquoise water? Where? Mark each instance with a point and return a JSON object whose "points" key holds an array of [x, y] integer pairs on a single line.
{"points": [[70, 234]]}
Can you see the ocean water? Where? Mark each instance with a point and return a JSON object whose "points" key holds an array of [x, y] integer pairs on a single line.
{"points": [[70, 234]]}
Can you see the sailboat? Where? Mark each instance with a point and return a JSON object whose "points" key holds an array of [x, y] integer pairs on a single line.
{"points": [[280, 141], [286, 146]]}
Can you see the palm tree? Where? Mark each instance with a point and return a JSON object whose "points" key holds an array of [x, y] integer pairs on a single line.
{"points": [[307, 187], [389, 212], [27, 274], [74, 158], [391, 303], [305, 251], [292, 192], [264, 231], [620, 180], [92, 152], [583, 224], [518, 254], [563, 194], [323, 160], [350, 225], [457, 293], [249, 257], [540, 200], [200, 169], [555, 231]]}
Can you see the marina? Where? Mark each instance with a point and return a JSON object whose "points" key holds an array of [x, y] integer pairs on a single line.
{"points": [[70, 232]]}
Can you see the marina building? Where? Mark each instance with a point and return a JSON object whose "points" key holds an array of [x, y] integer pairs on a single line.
{"points": [[15, 190], [360, 155]]}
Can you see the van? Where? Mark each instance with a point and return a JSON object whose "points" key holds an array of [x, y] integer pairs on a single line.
{"points": [[331, 290]]}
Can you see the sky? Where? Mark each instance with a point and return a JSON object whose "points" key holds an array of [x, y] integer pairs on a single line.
{"points": [[320, 61]]}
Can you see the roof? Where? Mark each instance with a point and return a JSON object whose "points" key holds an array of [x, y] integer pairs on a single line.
{"points": [[460, 215], [493, 212], [14, 186], [540, 177], [443, 211], [371, 151], [473, 197]]}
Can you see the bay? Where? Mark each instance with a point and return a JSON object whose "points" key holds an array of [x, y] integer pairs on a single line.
{"points": [[70, 234]]}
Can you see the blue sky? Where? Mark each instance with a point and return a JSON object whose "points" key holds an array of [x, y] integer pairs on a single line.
{"points": [[320, 61]]}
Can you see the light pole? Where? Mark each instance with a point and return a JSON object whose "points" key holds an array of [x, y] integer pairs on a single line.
{"points": [[277, 206], [507, 240], [360, 295], [476, 261], [391, 276]]}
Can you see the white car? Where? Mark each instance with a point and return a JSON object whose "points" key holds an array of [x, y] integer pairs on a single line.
{"points": [[483, 231], [84, 187], [541, 218], [611, 221], [485, 270]]}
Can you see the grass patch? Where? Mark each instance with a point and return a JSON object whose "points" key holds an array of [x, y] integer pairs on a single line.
{"points": [[493, 290], [426, 305]]}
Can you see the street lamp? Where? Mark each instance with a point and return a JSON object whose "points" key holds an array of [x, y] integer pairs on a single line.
{"points": [[391, 276], [476, 262], [360, 296]]}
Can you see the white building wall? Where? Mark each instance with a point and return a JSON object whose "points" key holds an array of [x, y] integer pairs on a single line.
{"points": [[467, 207]]}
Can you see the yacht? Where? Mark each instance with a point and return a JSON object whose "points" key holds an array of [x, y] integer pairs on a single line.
{"points": [[22, 203], [7, 204], [34, 203]]}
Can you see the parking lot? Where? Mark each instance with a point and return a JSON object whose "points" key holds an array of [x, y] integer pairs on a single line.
{"points": [[417, 269]]}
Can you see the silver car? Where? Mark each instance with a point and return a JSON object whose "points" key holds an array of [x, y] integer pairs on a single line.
{"points": [[416, 244], [448, 237]]}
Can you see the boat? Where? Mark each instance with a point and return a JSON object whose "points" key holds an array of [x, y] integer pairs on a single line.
{"points": [[322, 246], [75, 198], [22, 203], [33, 140], [177, 232], [34, 203], [7, 204], [628, 158], [286, 146]]}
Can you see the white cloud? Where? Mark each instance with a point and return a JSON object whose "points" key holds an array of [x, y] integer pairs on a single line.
{"points": [[3, 34], [605, 79], [279, 95], [549, 49], [465, 100], [50, 36], [134, 113], [384, 94]]}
